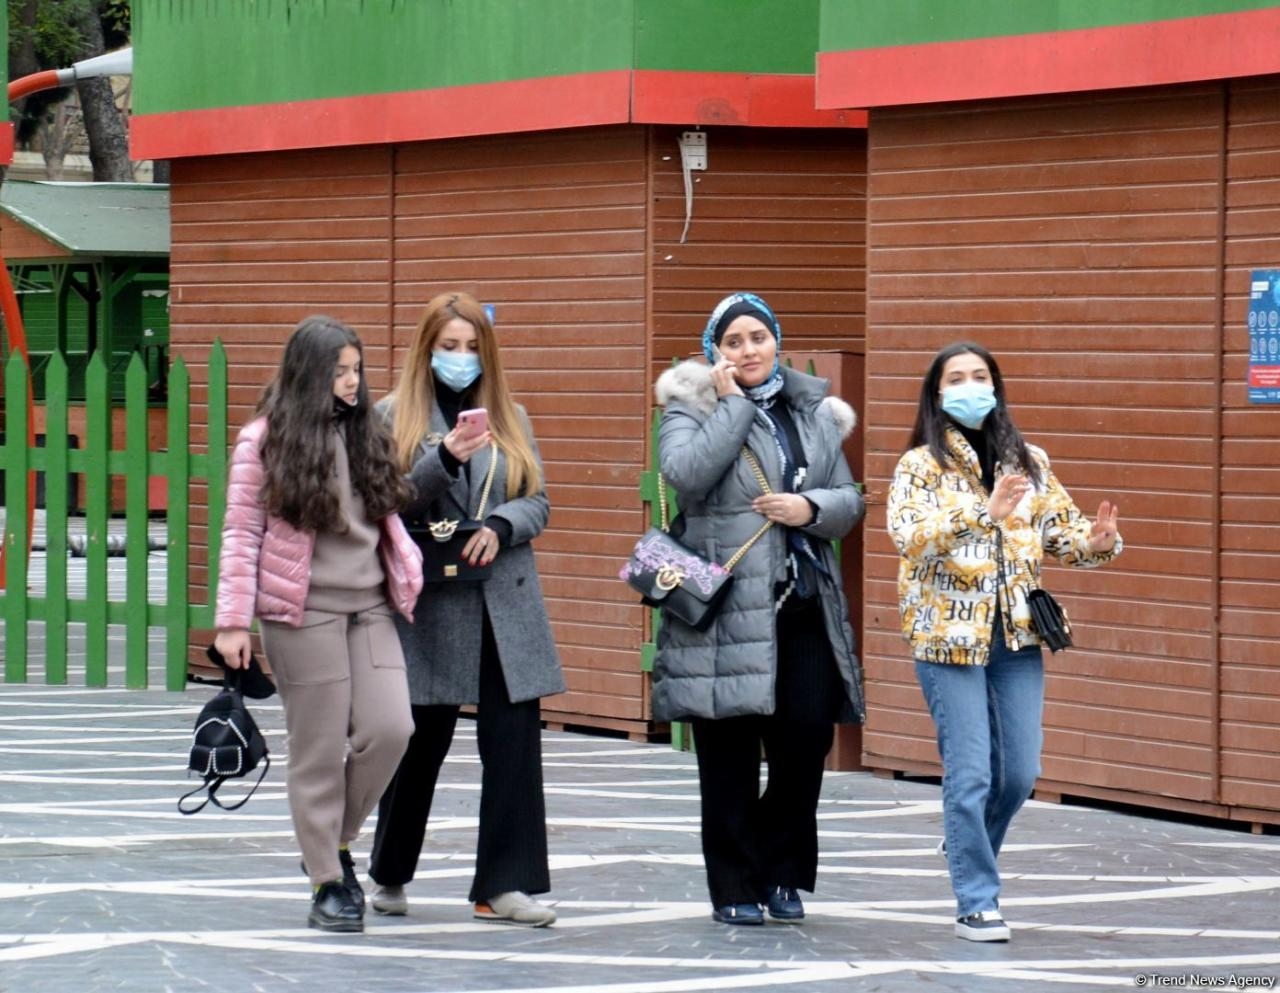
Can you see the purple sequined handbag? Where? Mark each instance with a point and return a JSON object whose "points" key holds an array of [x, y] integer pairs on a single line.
{"points": [[677, 579]]}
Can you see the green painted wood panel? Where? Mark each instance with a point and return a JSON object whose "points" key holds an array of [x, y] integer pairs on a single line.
{"points": [[762, 36], [97, 499], [55, 627], [135, 510], [847, 25], [16, 501], [192, 54]]}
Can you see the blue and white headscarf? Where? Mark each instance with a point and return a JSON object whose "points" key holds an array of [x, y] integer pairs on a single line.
{"points": [[727, 311]]}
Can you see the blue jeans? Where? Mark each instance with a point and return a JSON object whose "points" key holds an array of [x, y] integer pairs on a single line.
{"points": [[989, 735]]}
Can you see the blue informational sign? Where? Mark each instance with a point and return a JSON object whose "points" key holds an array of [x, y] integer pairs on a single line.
{"points": [[1264, 336], [489, 312]]}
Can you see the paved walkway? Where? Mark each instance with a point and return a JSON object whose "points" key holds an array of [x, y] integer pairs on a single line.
{"points": [[104, 886]]}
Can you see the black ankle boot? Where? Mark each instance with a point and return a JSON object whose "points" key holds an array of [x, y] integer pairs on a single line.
{"points": [[349, 879], [332, 909]]}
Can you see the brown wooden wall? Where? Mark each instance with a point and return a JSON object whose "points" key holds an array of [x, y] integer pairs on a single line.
{"points": [[260, 241], [1250, 586], [1080, 238], [551, 230], [572, 236], [778, 213]]}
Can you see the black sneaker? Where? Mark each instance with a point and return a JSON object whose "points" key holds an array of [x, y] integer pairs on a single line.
{"points": [[349, 879], [985, 925], [332, 909]]}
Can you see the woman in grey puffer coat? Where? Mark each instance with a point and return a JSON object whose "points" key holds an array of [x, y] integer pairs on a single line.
{"points": [[777, 666]]}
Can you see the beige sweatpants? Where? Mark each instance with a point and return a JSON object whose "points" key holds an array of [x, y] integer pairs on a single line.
{"points": [[342, 681]]}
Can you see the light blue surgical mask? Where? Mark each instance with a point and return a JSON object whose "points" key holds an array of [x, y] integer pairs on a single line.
{"points": [[969, 403], [457, 370]]}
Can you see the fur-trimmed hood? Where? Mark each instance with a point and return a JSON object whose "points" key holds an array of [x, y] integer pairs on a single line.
{"points": [[690, 383]]}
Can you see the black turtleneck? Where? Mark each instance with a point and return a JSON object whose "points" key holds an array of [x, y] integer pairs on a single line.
{"points": [[978, 440], [451, 404]]}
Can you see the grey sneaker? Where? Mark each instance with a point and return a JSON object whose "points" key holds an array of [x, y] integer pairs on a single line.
{"points": [[390, 900], [985, 925], [514, 908]]}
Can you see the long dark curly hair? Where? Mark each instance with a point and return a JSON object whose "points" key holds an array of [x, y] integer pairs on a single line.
{"points": [[298, 454], [1004, 440]]}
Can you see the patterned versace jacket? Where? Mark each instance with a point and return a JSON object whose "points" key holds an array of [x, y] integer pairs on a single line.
{"points": [[947, 578]]}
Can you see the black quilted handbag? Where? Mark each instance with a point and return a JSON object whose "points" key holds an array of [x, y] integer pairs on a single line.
{"points": [[669, 575]]}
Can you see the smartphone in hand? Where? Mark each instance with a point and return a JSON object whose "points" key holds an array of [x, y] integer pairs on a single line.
{"points": [[474, 422]]}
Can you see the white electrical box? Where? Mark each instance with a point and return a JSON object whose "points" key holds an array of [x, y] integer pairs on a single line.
{"points": [[693, 150]]}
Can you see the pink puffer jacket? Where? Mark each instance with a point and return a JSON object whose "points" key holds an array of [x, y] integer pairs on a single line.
{"points": [[265, 566]]}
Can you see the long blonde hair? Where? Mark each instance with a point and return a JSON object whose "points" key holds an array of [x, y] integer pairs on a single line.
{"points": [[414, 394]]}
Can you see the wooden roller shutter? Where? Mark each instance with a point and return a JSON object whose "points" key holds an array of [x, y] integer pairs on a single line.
{"points": [[780, 212], [1250, 571], [1077, 238], [550, 229], [258, 242]]}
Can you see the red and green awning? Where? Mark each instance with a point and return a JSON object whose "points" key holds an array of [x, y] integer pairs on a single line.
{"points": [[876, 54], [238, 75]]}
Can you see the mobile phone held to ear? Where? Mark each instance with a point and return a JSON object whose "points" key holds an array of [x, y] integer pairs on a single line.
{"points": [[474, 422]]}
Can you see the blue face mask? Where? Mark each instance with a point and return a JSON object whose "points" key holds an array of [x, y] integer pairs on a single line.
{"points": [[969, 403], [457, 370]]}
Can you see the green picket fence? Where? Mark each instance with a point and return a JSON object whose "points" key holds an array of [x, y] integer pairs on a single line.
{"points": [[98, 462]]}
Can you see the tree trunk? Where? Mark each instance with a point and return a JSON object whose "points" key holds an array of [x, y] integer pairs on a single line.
{"points": [[108, 139]]}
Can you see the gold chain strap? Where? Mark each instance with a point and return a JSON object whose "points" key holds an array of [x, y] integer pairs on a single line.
{"points": [[488, 480], [750, 456]]}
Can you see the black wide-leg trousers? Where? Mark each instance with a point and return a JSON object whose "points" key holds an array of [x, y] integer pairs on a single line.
{"points": [[753, 841], [512, 850]]}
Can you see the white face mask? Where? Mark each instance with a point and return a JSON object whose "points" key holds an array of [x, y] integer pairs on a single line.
{"points": [[969, 403]]}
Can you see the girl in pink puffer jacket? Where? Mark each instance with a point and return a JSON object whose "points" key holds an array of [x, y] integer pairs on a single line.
{"points": [[313, 547]]}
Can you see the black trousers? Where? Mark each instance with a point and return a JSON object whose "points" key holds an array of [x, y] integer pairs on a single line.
{"points": [[753, 841], [512, 850]]}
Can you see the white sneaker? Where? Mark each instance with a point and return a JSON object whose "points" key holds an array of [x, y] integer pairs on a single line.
{"points": [[390, 900], [985, 925], [942, 848], [515, 907]]}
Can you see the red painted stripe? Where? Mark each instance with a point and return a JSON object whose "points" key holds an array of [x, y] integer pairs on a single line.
{"points": [[488, 108], [6, 143], [767, 101], [1216, 46]]}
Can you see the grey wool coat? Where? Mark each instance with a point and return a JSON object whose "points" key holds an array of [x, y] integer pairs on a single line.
{"points": [[442, 645], [729, 670]]}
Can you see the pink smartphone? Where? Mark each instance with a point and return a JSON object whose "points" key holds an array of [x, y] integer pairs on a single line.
{"points": [[474, 422]]}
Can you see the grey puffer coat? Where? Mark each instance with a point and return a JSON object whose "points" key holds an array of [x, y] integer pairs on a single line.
{"points": [[729, 669], [442, 644]]}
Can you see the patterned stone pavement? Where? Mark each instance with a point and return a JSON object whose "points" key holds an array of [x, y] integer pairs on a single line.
{"points": [[104, 886]]}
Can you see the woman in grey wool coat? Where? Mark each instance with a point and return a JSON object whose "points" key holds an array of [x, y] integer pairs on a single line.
{"points": [[776, 668], [487, 643]]}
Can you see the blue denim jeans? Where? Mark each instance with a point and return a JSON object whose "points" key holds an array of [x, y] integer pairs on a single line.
{"points": [[989, 735]]}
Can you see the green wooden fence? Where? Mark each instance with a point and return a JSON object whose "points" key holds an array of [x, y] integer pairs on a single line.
{"points": [[98, 462]]}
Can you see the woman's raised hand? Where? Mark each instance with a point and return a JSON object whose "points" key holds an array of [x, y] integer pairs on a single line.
{"points": [[723, 376], [1102, 537], [462, 444], [1007, 494]]}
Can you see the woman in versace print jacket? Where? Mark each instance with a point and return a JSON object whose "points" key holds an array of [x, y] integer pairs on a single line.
{"points": [[973, 509]]}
